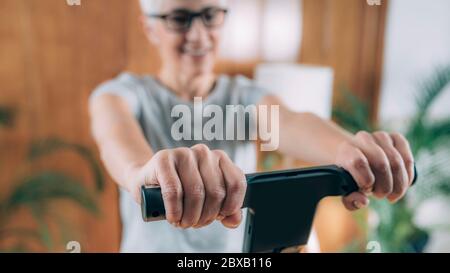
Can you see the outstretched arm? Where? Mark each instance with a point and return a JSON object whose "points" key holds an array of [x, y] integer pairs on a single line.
{"points": [[198, 185], [381, 163]]}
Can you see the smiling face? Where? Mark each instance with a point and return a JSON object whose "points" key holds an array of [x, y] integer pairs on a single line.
{"points": [[190, 52]]}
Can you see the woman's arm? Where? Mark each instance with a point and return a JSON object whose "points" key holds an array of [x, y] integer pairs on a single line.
{"points": [[380, 162], [198, 185], [306, 136], [123, 147]]}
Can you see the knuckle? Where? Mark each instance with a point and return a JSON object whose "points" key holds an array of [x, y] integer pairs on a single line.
{"points": [[382, 135], [196, 192], [408, 161], [400, 138], [201, 149], [236, 186], [217, 194], [167, 176], [162, 163], [381, 166], [172, 192], [220, 153], [161, 155], [359, 163], [182, 151], [383, 189], [363, 135], [397, 135], [185, 155], [174, 214], [396, 163]]}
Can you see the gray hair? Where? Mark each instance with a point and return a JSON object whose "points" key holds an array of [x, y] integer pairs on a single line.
{"points": [[151, 6], [154, 6]]}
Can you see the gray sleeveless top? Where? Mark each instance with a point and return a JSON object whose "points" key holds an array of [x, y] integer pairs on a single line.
{"points": [[152, 105]]}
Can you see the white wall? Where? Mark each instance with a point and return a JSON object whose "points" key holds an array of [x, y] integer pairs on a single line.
{"points": [[269, 30], [417, 39]]}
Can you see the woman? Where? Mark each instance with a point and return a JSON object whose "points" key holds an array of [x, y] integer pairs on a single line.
{"points": [[203, 181]]}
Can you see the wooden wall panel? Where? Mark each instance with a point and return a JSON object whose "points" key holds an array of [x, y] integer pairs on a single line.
{"points": [[142, 55], [347, 35], [54, 55]]}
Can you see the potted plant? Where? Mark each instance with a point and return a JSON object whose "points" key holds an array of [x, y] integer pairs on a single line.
{"points": [[397, 227], [35, 190]]}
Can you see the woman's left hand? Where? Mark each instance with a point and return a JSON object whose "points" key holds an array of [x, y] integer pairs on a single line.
{"points": [[381, 163]]}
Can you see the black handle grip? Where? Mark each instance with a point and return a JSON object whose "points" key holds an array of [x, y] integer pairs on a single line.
{"points": [[152, 204]]}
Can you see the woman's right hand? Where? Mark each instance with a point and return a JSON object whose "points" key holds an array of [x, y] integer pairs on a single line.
{"points": [[198, 186]]}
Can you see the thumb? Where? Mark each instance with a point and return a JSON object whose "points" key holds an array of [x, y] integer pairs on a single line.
{"points": [[355, 201], [233, 221]]}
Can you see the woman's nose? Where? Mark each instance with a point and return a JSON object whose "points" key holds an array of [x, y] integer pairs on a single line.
{"points": [[198, 31]]}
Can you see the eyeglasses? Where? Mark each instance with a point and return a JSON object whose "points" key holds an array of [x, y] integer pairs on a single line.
{"points": [[181, 20]]}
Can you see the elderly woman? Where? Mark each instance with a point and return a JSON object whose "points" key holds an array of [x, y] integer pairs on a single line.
{"points": [[202, 182]]}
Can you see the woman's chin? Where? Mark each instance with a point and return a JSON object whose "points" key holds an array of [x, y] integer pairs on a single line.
{"points": [[199, 70], [198, 60], [200, 73]]}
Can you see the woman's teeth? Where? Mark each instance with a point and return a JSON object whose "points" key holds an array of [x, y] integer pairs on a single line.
{"points": [[196, 52]]}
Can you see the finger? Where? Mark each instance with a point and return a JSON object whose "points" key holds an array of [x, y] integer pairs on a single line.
{"points": [[378, 162], [171, 189], [214, 184], [235, 184], [398, 169], [193, 188], [354, 161], [233, 221], [403, 147], [355, 201], [135, 188]]}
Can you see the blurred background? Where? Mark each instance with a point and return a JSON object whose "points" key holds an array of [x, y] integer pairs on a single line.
{"points": [[367, 64]]}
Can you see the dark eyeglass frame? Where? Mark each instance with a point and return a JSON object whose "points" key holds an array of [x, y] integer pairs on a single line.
{"points": [[191, 16]]}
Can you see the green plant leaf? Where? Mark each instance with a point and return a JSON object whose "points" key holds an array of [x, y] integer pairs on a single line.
{"points": [[431, 89], [418, 133], [355, 115], [436, 133], [19, 232], [38, 211], [39, 189], [346, 120], [45, 147]]}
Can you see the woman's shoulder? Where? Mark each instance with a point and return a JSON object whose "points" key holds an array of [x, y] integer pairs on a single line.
{"points": [[127, 77], [127, 85]]}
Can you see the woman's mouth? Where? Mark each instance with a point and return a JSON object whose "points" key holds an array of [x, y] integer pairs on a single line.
{"points": [[196, 52]]}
